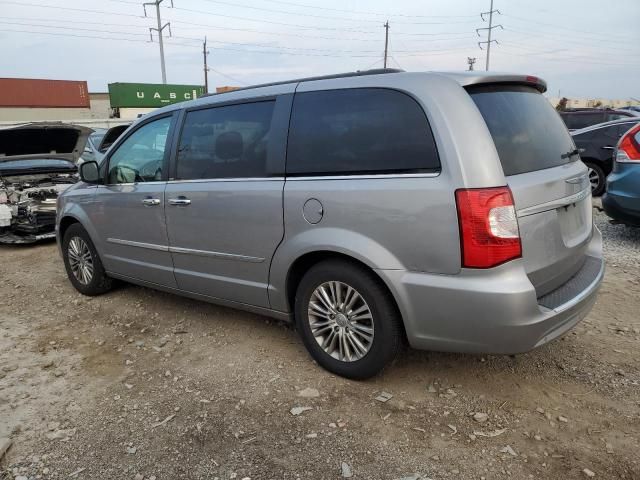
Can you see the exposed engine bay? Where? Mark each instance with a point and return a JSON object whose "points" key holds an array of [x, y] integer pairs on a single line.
{"points": [[38, 161], [28, 206]]}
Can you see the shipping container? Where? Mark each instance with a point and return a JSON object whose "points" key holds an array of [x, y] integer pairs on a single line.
{"points": [[33, 93], [150, 95], [226, 89]]}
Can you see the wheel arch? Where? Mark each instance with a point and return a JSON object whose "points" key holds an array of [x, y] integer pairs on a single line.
{"points": [[65, 223], [306, 261]]}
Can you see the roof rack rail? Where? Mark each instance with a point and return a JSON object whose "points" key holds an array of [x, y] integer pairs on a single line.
{"points": [[358, 73]]}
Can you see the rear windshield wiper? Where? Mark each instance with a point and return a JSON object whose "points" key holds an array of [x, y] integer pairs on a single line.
{"points": [[570, 153]]}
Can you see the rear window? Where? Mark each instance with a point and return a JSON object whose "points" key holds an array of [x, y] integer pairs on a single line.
{"points": [[359, 131], [527, 131]]}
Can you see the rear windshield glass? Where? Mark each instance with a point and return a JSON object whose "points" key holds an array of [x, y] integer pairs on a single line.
{"points": [[527, 131]]}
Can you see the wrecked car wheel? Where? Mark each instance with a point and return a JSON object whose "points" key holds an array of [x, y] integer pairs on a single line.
{"points": [[84, 268]]}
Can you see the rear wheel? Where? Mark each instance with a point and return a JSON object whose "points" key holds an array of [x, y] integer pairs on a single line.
{"points": [[597, 178], [83, 265], [347, 319]]}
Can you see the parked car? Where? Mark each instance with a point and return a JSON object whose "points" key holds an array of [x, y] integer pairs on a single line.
{"points": [[37, 162], [597, 145], [622, 199], [99, 142], [578, 118], [447, 209]]}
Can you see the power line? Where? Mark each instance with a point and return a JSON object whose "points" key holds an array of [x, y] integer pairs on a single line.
{"points": [[366, 12], [563, 27], [328, 17], [56, 7]]}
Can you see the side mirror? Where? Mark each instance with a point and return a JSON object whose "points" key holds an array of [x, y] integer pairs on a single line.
{"points": [[90, 172]]}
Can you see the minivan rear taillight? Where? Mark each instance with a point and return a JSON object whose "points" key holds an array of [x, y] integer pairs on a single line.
{"points": [[489, 232], [629, 147]]}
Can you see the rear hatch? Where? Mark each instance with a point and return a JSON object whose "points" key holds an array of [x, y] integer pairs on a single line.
{"points": [[550, 185]]}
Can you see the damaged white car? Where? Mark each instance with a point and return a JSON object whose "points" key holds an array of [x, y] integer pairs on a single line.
{"points": [[37, 162]]}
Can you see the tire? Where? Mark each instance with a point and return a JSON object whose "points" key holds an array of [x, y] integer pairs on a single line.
{"points": [[597, 178], [348, 359], [73, 248]]}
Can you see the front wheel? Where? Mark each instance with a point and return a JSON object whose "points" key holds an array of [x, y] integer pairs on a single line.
{"points": [[347, 319], [83, 265]]}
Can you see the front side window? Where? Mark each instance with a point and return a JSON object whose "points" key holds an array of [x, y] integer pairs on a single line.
{"points": [[359, 131], [225, 142], [140, 157]]}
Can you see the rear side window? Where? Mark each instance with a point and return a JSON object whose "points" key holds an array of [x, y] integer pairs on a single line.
{"points": [[225, 142], [527, 131], [359, 131]]}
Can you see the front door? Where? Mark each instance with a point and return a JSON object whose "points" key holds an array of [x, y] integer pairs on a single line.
{"points": [[224, 207], [131, 206]]}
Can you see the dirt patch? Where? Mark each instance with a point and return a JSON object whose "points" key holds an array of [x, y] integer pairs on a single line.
{"points": [[141, 383]]}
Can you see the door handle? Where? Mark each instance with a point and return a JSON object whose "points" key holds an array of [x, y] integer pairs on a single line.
{"points": [[608, 147], [180, 201], [150, 202]]}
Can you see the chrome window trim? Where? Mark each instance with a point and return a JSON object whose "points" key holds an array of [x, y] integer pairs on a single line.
{"points": [[367, 176], [311, 177], [231, 179], [154, 182]]}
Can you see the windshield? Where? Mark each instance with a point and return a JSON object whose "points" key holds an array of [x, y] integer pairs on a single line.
{"points": [[97, 137], [528, 133]]}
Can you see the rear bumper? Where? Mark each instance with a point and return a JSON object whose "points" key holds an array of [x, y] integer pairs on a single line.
{"points": [[492, 311]]}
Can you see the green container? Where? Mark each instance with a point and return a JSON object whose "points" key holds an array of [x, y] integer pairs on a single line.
{"points": [[150, 95]]}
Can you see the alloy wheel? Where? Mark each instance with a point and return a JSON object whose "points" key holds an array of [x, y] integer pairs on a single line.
{"points": [[594, 179], [341, 321], [80, 260]]}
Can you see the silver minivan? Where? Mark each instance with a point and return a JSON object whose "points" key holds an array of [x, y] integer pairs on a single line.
{"points": [[447, 210]]}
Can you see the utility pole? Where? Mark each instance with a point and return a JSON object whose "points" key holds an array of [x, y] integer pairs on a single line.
{"points": [[471, 61], [205, 52], [160, 28], [489, 31], [386, 42]]}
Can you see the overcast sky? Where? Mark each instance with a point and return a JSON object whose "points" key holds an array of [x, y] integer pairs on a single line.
{"points": [[583, 48]]}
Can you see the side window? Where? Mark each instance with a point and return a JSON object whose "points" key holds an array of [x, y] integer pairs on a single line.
{"points": [[140, 157], [624, 128], [359, 131], [611, 133], [225, 142]]}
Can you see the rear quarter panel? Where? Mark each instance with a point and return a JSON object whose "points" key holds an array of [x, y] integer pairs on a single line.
{"points": [[393, 222]]}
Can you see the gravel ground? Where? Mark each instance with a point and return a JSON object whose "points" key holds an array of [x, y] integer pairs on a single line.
{"points": [[139, 384]]}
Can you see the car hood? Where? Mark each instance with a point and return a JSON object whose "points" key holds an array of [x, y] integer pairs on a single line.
{"points": [[43, 141]]}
